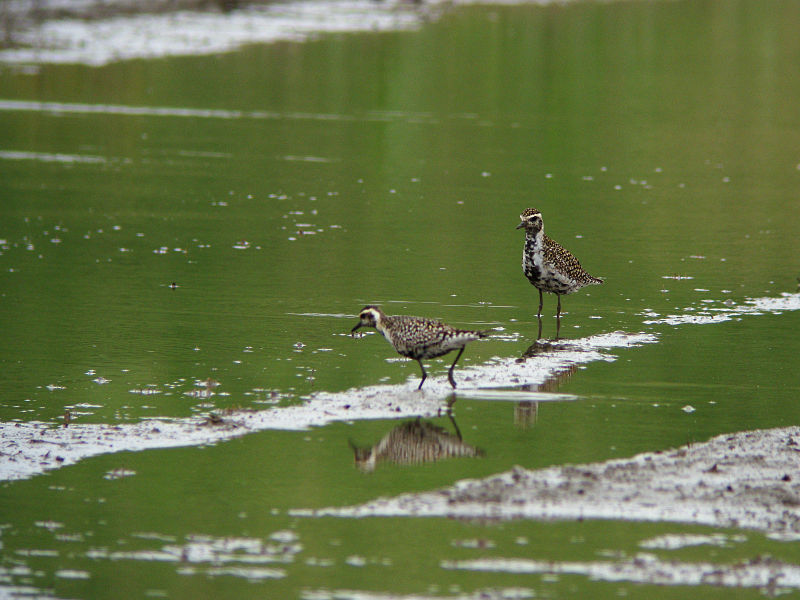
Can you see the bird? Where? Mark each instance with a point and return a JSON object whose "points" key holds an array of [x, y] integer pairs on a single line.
{"points": [[417, 337], [547, 264], [414, 442]]}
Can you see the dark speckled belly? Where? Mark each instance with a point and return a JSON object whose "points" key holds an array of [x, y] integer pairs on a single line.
{"points": [[541, 274]]}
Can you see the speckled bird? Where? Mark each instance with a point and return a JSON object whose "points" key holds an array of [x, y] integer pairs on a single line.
{"points": [[417, 337], [547, 264]]}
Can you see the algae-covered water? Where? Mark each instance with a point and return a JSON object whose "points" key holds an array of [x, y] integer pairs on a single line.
{"points": [[185, 243]]}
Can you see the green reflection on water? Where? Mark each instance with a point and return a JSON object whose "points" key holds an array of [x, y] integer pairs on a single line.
{"points": [[658, 140]]}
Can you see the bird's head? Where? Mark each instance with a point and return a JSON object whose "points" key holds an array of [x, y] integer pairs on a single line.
{"points": [[531, 221], [369, 316]]}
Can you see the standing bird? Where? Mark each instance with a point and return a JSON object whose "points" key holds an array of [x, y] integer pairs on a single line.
{"points": [[547, 264], [417, 337]]}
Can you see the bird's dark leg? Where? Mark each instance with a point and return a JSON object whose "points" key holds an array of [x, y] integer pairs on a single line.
{"points": [[455, 425], [451, 400], [450, 372], [424, 374], [541, 303], [539, 336], [558, 317]]}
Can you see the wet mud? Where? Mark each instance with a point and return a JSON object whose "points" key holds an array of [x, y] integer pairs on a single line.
{"points": [[743, 480]]}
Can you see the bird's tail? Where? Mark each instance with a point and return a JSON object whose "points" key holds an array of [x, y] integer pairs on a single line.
{"points": [[472, 333]]}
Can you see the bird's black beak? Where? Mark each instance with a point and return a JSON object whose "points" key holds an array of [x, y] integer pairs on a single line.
{"points": [[356, 328], [521, 225]]}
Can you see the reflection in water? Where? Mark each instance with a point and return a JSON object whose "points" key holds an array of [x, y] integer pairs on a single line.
{"points": [[552, 383], [415, 442], [526, 413], [541, 346]]}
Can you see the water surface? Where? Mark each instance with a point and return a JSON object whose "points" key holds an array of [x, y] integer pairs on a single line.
{"points": [[173, 221]]}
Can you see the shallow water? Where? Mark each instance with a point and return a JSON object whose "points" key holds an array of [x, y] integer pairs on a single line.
{"points": [[170, 224]]}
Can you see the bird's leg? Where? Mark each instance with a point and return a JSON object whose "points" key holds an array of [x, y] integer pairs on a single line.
{"points": [[541, 303], [558, 310], [558, 327], [450, 372], [539, 336], [424, 374], [455, 425], [449, 403]]}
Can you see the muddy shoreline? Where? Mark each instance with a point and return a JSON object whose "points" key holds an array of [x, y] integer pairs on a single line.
{"points": [[748, 480], [96, 34]]}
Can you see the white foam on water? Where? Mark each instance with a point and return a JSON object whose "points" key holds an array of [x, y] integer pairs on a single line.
{"points": [[98, 42], [765, 573], [30, 448], [72, 574], [713, 312], [516, 396], [210, 556], [81, 108], [676, 541], [517, 593], [49, 157]]}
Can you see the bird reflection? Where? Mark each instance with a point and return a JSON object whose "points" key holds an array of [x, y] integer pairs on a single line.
{"points": [[552, 383], [415, 442], [541, 346], [526, 413]]}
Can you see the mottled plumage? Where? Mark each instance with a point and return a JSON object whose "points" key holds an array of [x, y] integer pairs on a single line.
{"points": [[547, 264], [417, 337], [414, 442]]}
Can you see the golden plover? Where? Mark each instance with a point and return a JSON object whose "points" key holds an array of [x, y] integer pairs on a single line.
{"points": [[547, 264], [417, 337]]}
